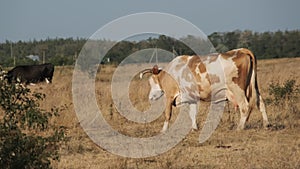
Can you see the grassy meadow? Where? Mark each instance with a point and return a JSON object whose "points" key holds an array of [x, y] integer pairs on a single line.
{"points": [[255, 147]]}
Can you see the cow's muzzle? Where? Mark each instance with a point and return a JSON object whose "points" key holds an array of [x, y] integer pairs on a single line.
{"points": [[155, 95]]}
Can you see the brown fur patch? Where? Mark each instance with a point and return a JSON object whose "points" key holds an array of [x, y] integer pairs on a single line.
{"points": [[242, 62], [168, 85], [202, 68], [228, 54], [193, 62], [213, 57], [155, 79], [184, 58], [249, 92], [213, 78]]}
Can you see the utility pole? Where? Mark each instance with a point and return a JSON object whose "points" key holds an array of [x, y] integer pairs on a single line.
{"points": [[43, 56], [43, 49], [11, 54]]}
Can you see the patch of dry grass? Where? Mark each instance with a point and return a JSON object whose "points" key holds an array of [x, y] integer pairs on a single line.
{"points": [[226, 148]]}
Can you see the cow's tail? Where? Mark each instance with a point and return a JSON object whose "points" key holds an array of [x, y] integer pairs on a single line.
{"points": [[253, 93]]}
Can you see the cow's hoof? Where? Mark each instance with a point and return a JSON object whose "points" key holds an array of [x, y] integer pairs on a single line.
{"points": [[163, 130], [194, 128], [240, 128], [165, 127], [267, 126]]}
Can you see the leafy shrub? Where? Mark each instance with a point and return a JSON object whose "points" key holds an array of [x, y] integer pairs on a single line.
{"points": [[284, 100], [288, 91], [27, 139]]}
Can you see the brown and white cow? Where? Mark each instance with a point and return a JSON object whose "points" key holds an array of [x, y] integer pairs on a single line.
{"points": [[188, 79]]}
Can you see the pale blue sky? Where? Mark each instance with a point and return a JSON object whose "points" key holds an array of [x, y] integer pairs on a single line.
{"points": [[39, 19]]}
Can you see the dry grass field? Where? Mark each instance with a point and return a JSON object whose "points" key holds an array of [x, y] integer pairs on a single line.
{"points": [[255, 147]]}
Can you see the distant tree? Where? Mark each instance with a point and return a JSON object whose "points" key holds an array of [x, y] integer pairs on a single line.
{"points": [[215, 38], [231, 39], [221, 48], [245, 39]]}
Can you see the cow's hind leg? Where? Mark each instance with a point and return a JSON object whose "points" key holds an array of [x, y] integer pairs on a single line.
{"points": [[245, 112], [262, 109], [193, 114], [237, 96]]}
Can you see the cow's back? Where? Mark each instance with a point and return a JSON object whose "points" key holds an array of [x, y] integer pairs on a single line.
{"points": [[207, 77]]}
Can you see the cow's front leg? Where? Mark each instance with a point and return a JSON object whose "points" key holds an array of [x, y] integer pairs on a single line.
{"points": [[168, 113], [47, 81], [193, 114]]}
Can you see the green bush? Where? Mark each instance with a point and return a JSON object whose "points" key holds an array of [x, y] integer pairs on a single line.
{"points": [[284, 102], [27, 139], [280, 93]]}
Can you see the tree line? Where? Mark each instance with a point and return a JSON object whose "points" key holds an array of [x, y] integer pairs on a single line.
{"points": [[264, 45], [60, 51]]}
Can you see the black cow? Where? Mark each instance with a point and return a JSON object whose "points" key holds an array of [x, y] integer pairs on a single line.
{"points": [[31, 73]]}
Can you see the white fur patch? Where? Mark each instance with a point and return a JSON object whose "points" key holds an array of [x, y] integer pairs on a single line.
{"points": [[47, 81], [165, 127], [193, 114]]}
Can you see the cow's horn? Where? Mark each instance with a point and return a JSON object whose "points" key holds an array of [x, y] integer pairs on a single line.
{"points": [[144, 72], [155, 70]]}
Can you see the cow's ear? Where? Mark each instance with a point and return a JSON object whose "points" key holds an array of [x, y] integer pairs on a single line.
{"points": [[155, 70]]}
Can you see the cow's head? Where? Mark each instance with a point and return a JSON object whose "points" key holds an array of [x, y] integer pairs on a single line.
{"points": [[3, 74], [156, 91]]}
